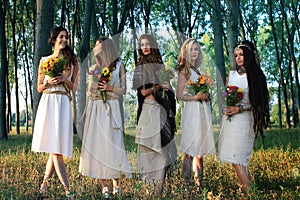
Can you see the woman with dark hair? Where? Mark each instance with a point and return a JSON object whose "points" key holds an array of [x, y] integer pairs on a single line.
{"points": [[197, 131], [53, 129], [249, 116], [103, 154], [156, 115]]}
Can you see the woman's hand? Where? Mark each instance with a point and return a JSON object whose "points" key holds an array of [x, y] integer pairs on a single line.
{"points": [[54, 81], [200, 96], [62, 78], [231, 110], [103, 86], [165, 86]]}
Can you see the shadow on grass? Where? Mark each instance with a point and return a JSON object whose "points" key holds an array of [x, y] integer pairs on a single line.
{"points": [[277, 138]]}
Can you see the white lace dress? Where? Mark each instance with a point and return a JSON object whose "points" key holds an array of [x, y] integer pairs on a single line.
{"points": [[197, 131], [237, 136], [103, 153], [53, 128]]}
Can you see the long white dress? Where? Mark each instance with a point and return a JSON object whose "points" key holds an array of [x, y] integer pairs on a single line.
{"points": [[197, 132], [237, 135], [53, 128], [103, 153]]}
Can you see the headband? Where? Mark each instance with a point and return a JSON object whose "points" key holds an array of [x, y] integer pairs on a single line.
{"points": [[242, 45]]}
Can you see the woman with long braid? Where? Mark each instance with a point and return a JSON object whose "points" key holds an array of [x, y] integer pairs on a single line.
{"points": [[249, 116]]}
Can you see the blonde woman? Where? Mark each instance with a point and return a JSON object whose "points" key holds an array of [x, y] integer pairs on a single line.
{"points": [[197, 133]]}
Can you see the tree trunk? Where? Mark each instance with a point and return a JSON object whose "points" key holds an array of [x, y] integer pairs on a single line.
{"points": [[291, 47], [44, 23], [279, 107], [218, 47], [15, 61], [232, 28], [83, 52], [3, 72], [279, 62]]}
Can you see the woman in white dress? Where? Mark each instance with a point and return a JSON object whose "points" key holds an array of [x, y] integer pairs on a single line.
{"points": [[156, 116], [248, 116], [53, 129], [197, 132], [103, 154]]}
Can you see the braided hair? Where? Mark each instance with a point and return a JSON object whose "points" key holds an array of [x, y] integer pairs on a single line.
{"points": [[257, 84]]}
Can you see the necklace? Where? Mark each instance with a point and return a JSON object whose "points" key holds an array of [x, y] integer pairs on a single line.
{"points": [[241, 70]]}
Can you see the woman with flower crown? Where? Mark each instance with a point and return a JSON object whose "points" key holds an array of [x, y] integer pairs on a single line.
{"points": [[103, 154], [248, 116], [156, 116], [197, 132], [53, 128]]}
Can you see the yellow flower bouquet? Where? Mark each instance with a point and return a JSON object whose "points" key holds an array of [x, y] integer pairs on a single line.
{"points": [[105, 77], [54, 66]]}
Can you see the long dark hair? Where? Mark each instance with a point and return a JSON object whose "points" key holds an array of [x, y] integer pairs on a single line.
{"points": [[67, 51], [258, 90], [154, 56]]}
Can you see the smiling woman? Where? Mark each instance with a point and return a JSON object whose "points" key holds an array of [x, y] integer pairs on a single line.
{"points": [[53, 129]]}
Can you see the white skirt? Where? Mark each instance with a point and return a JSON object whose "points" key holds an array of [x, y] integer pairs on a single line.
{"points": [[236, 138], [103, 153], [197, 132], [53, 128]]}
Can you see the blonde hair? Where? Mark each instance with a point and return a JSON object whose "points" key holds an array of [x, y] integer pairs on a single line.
{"points": [[184, 57]]}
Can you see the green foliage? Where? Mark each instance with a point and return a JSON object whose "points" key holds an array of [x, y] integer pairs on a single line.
{"points": [[274, 169]]}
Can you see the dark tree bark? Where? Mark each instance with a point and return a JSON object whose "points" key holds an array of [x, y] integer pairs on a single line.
{"points": [[3, 72], [279, 63], [44, 23], [83, 51], [218, 47], [232, 27]]}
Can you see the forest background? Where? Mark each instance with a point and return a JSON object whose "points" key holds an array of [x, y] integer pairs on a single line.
{"points": [[273, 26]]}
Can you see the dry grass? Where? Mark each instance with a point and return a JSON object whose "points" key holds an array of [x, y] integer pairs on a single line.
{"points": [[275, 171]]}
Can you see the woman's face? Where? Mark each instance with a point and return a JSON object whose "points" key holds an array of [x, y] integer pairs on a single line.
{"points": [[194, 52], [61, 40], [239, 57], [98, 48], [145, 46]]}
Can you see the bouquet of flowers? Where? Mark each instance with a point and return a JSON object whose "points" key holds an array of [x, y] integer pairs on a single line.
{"points": [[202, 84], [233, 95], [105, 77], [54, 66], [164, 75]]}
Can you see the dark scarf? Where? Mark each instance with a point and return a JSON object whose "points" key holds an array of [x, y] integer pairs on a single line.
{"points": [[145, 77]]}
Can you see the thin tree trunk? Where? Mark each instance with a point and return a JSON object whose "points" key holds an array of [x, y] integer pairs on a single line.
{"points": [[291, 47], [278, 57], [15, 61], [218, 47], [3, 73], [44, 23], [279, 107], [232, 28], [83, 52]]}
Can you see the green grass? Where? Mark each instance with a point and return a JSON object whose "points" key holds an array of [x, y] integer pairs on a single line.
{"points": [[275, 170]]}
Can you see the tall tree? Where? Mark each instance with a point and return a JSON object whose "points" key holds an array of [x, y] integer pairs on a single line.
{"points": [[44, 23], [83, 52], [290, 29], [232, 27], [3, 72], [13, 18], [217, 24], [279, 56]]}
